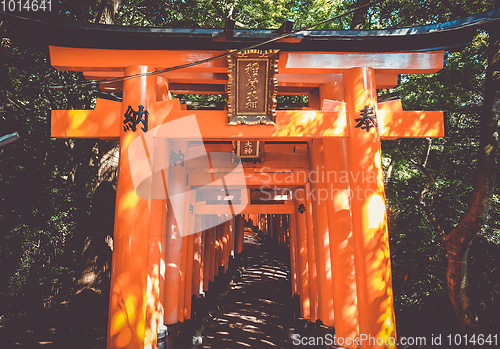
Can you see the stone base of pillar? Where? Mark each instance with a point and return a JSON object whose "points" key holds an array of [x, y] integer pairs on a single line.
{"points": [[168, 336], [187, 333], [198, 308], [306, 328], [180, 335], [323, 331]]}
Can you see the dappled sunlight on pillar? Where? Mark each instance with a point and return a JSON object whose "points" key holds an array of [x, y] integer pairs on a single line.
{"points": [[373, 275], [375, 214], [378, 265], [321, 232]]}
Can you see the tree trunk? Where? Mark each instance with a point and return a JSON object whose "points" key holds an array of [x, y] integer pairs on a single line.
{"points": [[458, 286], [359, 17], [105, 11]]}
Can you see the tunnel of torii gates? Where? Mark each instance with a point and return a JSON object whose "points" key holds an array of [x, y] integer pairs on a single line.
{"points": [[309, 176]]}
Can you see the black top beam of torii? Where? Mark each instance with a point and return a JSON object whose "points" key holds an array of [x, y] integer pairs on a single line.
{"points": [[450, 36]]}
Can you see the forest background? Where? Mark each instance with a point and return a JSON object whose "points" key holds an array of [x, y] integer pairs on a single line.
{"points": [[57, 196]]}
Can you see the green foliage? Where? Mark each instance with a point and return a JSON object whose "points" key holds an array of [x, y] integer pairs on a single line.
{"points": [[213, 13], [404, 13], [45, 185], [418, 256]]}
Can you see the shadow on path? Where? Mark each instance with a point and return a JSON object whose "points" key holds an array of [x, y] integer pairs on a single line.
{"points": [[255, 313]]}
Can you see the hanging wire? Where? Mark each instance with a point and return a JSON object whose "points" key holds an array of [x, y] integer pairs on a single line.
{"points": [[160, 71]]}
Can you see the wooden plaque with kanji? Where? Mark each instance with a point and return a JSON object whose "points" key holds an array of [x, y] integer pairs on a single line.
{"points": [[252, 87], [249, 150]]}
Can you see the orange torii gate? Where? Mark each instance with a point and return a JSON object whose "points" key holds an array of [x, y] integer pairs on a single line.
{"points": [[355, 303], [339, 246]]}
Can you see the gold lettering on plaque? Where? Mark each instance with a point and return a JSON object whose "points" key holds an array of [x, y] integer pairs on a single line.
{"points": [[252, 74], [248, 148]]}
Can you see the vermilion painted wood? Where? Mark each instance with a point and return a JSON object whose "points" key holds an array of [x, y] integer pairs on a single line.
{"points": [[294, 124], [182, 280], [386, 63], [212, 248], [276, 227], [174, 249], [249, 209], [319, 195], [200, 83], [371, 242], [95, 60], [238, 238], [285, 89], [156, 272], [106, 121], [216, 256], [206, 256], [283, 231], [187, 268], [340, 226], [303, 286], [312, 255], [197, 261], [396, 123], [189, 276], [102, 122], [218, 251], [264, 180], [227, 247], [270, 225], [226, 242], [127, 320], [231, 237], [199, 286], [293, 255]]}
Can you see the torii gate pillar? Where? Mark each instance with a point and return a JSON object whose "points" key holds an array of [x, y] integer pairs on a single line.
{"points": [[132, 225], [369, 225]]}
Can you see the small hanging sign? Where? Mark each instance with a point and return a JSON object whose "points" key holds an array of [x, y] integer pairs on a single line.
{"points": [[252, 87], [249, 150]]}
